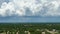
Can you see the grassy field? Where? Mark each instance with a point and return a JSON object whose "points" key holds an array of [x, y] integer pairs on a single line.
{"points": [[29, 28]]}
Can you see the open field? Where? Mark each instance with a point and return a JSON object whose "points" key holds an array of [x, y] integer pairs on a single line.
{"points": [[29, 28]]}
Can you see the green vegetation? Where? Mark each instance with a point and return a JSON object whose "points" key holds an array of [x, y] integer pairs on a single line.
{"points": [[33, 28]]}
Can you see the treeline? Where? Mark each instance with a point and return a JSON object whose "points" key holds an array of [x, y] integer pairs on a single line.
{"points": [[29, 25], [32, 27]]}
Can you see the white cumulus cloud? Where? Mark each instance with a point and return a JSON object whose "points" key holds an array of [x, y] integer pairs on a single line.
{"points": [[6, 6], [39, 7]]}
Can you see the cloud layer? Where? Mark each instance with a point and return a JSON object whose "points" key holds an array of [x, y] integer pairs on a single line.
{"points": [[30, 8]]}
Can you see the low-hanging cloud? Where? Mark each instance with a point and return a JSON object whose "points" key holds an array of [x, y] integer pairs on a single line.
{"points": [[36, 7]]}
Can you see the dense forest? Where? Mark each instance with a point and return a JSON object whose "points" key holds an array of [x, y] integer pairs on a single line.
{"points": [[34, 28]]}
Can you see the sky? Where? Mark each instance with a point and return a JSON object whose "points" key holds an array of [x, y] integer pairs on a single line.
{"points": [[29, 10]]}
